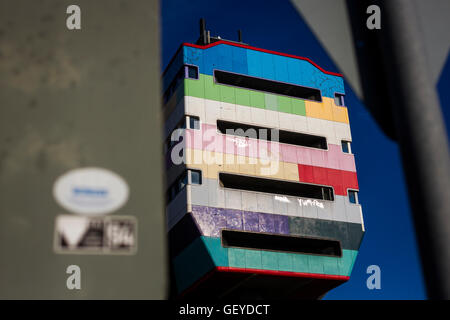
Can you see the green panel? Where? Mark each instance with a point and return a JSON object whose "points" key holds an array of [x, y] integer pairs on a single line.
{"points": [[242, 97], [284, 104], [298, 107], [212, 90], [195, 88], [227, 94], [253, 259], [271, 101], [285, 262], [269, 260], [257, 99]]}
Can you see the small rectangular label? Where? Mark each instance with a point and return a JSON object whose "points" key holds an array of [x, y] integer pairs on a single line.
{"points": [[95, 235]]}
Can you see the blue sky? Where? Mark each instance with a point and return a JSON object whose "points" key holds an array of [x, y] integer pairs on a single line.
{"points": [[275, 25]]}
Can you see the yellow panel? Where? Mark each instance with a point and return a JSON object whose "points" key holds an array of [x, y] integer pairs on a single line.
{"points": [[243, 165], [290, 171], [340, 114], [213, 171], [326, 110], [246, 165], [321, 110]]}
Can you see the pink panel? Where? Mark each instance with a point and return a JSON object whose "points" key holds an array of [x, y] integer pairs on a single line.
{"points": [[317, 158], [304, 156], [288, 153], [332, 157], [347, 162], [210, 139]]}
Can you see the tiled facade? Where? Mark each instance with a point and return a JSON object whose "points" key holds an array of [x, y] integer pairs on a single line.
{"points": [[197, 212]]}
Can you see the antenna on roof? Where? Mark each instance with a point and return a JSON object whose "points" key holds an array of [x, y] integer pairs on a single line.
{"points": [[239, 35], [203, 31]]}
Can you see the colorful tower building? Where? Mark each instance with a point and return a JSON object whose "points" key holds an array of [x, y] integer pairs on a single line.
{"points": [[262, 193]]}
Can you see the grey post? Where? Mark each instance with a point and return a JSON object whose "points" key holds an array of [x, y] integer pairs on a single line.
{"points": [[422, 139]]}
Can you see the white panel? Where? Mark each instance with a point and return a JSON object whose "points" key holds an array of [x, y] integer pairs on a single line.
{"points": [[243, 113], [227, 111], [309, 210], [326, 212], [314, 125], [195, 106], [286, 122], [339, 209], [280, 205], [249, 201], [265, 202], [300, 123], [233, 199], [342, 131], [293, 209], [218, 198], [258, 116], [353, 213], [272, 120], [212, 111]]}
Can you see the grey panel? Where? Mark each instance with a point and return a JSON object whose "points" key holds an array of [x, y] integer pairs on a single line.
{"points": [[70, 99]]}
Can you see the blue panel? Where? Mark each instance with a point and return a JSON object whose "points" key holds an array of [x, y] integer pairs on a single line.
{"points": [[194, 56], [210, 57], [294, 73], [239, 62], [225, 57], [281, 68], [268, 68], [262, 65], [254, 63]]}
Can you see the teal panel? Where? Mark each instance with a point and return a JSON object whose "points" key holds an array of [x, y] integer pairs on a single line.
{"points": [[269, 260], [315, 264], [236, 258], [253, 259], [191, 264], [218, 253], [285, 262], [300, 263]]}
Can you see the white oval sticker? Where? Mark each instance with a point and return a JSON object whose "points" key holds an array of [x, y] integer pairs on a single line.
{"points": [[91, 191]]}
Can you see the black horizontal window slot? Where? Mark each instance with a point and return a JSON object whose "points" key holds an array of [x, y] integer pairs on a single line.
{"points": [[288, 188], [247, 82], [256, 132], [283, 243]]}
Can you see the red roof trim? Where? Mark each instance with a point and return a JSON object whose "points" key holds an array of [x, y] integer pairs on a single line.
{"points": [[264, 272], [240, 45], [284, 273]]}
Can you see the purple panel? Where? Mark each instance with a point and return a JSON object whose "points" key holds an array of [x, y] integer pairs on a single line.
{"points": [[266, 222], [281, 224], [251, 221], [234, 219], [212, 220], [204, 220], [219, 219]]}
